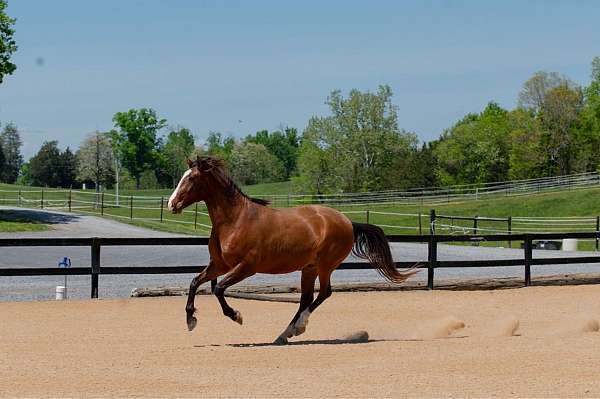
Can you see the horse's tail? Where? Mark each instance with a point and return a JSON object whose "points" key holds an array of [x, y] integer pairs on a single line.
{"points": [[370, 243]]}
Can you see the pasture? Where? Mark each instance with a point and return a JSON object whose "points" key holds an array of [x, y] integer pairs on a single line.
{"points": [[560, 209], [538, 341], [143, 208]]}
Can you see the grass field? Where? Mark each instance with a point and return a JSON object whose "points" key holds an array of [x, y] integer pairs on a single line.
{"points": [[10, 223], [581, 205]]}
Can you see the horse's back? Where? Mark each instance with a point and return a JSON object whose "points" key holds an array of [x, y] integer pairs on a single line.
{"points": [[310, 234]]}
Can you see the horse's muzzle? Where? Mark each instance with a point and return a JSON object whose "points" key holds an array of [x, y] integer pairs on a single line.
{"points": [[176, 208]]}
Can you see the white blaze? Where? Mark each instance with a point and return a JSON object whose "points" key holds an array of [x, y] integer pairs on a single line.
{"points": [[172, 197]]}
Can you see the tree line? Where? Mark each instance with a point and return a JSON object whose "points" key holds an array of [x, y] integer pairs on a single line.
{"points": [[358, 146]]}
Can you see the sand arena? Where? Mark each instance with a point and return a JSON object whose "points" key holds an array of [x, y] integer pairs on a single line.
{"points": [[539, 341]]}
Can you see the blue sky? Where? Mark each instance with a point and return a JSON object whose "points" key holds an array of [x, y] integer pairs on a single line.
{"points": [[207, 65]]}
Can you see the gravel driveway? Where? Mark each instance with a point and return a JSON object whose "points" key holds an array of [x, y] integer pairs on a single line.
{"points": [[73, 225]]}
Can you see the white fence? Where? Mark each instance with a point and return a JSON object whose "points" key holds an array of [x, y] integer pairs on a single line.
{"points": [[152, 209]]}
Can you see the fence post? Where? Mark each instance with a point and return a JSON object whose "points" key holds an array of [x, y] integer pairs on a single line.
{"points": [[102, 204], [431, 260], [288, 200], [42, 202], [19, 199], [131, 207], [475, 224], [597, 229], [95, 266], [509, 221], [432, 250], [420, 225], [528, 256], [69, 200], [196, 217], [367, 216], [162, 199]]}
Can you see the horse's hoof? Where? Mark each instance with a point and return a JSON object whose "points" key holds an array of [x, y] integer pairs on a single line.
{"points": [[238, 318], [191, 323], [280, 341], [299, 330]]}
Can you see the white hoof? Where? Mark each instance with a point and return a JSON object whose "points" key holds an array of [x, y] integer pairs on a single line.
{"points": [[301, 323], [299, 330], [238, 318]]}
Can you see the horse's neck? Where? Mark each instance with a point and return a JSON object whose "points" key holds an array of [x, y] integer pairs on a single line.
{"points": [[225, 211]]}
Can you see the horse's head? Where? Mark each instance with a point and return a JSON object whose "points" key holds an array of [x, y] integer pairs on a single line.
{"points": [[191, 187]]}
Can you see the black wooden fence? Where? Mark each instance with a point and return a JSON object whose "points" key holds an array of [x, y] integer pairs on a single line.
{"points": [[432, 263]]}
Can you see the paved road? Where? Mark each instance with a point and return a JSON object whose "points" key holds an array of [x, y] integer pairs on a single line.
{"points": [[70, 225]]}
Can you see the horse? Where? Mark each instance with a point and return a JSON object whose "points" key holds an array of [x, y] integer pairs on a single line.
{"points": [[248, 237]]}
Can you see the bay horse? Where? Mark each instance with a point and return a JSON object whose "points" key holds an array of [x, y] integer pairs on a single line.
{"points": [[249, 237]]}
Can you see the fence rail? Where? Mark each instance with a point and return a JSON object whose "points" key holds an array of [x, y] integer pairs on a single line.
{"points": [[432, 263], [72, 199]]}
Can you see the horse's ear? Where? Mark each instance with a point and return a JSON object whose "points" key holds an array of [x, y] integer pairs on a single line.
{"points": [[204, 165], [189, 162]]}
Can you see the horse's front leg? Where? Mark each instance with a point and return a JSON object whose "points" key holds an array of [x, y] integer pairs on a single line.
{"points": [[309, 275], [209, 273], [237, 274]]}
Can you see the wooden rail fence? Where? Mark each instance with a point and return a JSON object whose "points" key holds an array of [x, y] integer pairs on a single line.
{"points": [[432, 240]]}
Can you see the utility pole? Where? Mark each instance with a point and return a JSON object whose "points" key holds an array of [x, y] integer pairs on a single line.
{"points": [[117, 167], [97, 168]]}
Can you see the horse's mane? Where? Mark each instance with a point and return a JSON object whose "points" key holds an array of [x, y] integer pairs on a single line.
{"points": [[218, 169]]}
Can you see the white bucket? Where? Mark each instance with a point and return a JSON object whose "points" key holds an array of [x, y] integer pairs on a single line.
{"points": [[61, 292], [569, 244]]}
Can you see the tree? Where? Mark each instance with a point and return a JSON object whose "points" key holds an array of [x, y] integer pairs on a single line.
{"points": [[11, 144], [95, 160], [422, 167], [587, 131], [357, 147], [252, 163], [7, 44], [51, 168], [24, 178], [283, 144], [136, 140], [68, 168], [475, 150], [179, 147], [44, 167], [533, 94], [559, 115], [2, 162], [526, 155], [317, 161], [219, 146]]}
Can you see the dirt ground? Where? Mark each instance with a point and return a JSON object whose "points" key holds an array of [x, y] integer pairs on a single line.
{"points": [[141, 347]]}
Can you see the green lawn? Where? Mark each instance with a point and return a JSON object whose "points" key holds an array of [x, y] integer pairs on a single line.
{"points": [[9, 223], [576, 203]]}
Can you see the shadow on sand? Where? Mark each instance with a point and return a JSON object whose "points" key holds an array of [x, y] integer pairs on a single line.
{"points": [[322, 342], [37, 216]]}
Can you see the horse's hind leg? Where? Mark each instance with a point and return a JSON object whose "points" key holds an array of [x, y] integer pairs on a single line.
{"points": [[209, 273], [324, 293], [309, 275], [236, 275]]}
